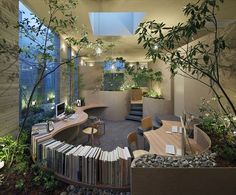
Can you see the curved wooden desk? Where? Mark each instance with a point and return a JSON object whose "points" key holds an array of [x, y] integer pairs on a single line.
{"points": [[68, 123], [160, 137]]}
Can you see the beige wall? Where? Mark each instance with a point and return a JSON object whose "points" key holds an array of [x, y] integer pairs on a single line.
{"points": [[116, 102], [188, 92], [92, 75], [9, 78]]}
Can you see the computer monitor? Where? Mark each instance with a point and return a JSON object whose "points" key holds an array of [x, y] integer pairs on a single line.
{"points": [[60, 110]]}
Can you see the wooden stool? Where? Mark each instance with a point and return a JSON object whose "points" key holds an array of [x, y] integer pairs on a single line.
{"points": [[90, 131], [138, 153]]}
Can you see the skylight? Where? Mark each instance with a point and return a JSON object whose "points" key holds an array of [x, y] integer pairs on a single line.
{"points": [[115, 23]]}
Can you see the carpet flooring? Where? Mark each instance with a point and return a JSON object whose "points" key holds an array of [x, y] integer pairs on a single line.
{"points": [[115, 135]]}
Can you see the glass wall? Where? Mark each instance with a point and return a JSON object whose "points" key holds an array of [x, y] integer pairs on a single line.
{"points": [[113, 77], [31, 67]]}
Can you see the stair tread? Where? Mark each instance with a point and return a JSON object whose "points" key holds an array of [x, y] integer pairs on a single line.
{"points": [[133, 117], [136, 109], [136, 112]]}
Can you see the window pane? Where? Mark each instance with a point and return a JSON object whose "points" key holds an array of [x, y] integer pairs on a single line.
{"points": [[31, 64]]}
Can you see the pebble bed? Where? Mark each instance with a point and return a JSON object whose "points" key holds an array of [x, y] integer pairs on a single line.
{"points": [[75, 190], [196, 161]]}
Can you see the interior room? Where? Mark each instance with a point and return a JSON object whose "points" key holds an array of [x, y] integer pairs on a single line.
{"points": [[103, 97]]}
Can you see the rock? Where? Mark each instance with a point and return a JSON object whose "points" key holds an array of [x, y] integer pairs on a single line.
{"points": [[70, 188], [203, 160], [63, 193]]}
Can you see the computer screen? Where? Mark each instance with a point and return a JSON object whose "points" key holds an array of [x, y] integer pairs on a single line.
{"points": [[60, 109]]}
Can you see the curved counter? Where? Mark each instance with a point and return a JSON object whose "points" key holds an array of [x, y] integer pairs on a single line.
{"points": [[159, 138], [68, 123], [40, 151]]}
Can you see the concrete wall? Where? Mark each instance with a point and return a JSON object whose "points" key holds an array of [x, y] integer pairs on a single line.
{"points": [[117, 103], [159, 107], [63, 73], [92, 75], [9, 70]]}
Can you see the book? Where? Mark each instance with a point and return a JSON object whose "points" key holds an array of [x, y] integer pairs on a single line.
{"points": [[68, 161]]}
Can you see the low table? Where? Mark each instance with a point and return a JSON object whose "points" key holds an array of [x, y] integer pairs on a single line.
{"points": [[90, 131]]}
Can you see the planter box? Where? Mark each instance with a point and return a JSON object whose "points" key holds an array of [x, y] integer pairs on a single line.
{"points": [[153, 107], [183, 181], [117, 103], [136, 94]]}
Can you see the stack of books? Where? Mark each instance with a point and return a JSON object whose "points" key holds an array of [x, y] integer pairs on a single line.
{"points": [[85, 164]]}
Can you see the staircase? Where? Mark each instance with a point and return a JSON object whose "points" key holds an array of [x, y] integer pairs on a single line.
{"points": [[136, 112]]}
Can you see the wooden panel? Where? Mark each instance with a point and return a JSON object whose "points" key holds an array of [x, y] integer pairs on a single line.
{"points": [[183, 181], [9, 69], [160, 137]]}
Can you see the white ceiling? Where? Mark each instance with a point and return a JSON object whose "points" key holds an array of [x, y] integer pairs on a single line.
{"points": [[167, 11]]}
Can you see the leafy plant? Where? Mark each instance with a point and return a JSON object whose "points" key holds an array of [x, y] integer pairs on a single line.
{"points": [[19, 184], [7, 147], [69, 110], [220, 127], [153, 94], [42, 177], [192, 61], [142, 75]]}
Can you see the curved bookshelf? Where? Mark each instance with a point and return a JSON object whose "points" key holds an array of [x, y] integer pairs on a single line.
{"points": [[37, 150], [99, 186]]}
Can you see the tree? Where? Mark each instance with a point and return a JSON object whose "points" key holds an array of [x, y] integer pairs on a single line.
{"points": [[202, 60], [39, 54]]}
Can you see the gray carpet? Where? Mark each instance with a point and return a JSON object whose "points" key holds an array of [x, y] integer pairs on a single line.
{"points": [[115, 135]]}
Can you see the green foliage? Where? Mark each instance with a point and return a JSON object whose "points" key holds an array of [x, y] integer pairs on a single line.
{"points": [[19, 184], [220, 127], [113, 81], [42, 177], [69, 110], [153, 94], [171, 45], [142, 75], [8, 146]]}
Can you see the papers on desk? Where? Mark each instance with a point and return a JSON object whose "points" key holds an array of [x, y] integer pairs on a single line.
{"points": [[39, 128], [170, 149], [174, 129], [74, 116]]}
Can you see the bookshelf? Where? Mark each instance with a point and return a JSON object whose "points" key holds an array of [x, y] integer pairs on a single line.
{"points": [[82, 165]]}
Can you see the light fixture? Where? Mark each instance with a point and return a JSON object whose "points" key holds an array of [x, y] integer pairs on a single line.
{"points": [[82, 62], [72, 53], [63, 47], [131, 65], [98, 51], [91, 64], [156, 46], [113, 67], [33, 102]]}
